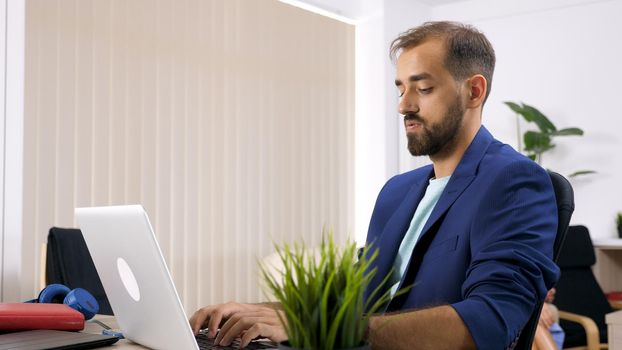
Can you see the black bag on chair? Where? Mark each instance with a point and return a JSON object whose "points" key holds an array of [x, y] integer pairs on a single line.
{"points": [[69, 262]]}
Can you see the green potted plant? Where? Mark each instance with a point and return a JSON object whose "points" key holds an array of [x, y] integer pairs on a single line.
{"points": [[535, 143], [619, 223], [321, 297]]}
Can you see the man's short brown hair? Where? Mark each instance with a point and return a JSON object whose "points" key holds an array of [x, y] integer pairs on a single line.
{"points": [[468, 52]]}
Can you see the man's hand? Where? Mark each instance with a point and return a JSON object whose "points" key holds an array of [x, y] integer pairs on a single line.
{"points": [[247, 321], [261, 322], [547, 318]]}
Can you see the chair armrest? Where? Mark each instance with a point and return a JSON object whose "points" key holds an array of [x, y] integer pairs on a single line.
{"points": [[591, 330]]}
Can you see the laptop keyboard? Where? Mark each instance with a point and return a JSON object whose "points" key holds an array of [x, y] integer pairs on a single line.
{"points": [[206, 343]]}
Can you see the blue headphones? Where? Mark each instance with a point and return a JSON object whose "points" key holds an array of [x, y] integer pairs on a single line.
{"points": [[78, 299]]}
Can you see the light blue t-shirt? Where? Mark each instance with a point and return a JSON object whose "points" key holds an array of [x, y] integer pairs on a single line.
{"points": [[558, 335], [422, 213]]}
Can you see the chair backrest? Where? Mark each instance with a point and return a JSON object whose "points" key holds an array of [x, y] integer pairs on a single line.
{"points": [[564, 196], [69, 262], [577, 290]]}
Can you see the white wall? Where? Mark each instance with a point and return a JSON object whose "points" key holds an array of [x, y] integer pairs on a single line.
{"points": [[3, 19], [369, 157], [561, 56], [379, 135], [564, 58], [11, 131], [400, 16], [192, 110], [378, 132]]}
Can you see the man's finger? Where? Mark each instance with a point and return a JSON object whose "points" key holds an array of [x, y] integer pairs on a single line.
{"points": [[198, 319], [235, 329], [228, 325], [234, 319], [266, 315], [275, 333], [214, 322], [263, 320], [257, 330]]}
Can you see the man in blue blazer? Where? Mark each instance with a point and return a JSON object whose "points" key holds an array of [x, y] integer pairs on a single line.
{"points": [[473, 232]]}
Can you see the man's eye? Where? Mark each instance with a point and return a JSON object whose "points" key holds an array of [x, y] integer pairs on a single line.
{"points": [[426, 90], [400, 93]]}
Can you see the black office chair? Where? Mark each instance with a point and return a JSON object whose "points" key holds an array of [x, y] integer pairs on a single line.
{"points": [[564, 196], [69, 262], [581, 302]]}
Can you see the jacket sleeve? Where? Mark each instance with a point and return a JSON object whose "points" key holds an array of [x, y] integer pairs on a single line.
{"points": [[511, 267]]}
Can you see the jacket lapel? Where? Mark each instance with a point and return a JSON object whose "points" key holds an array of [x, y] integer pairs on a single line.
{"points": [[461, 178], [395, 229], [391, 237]]}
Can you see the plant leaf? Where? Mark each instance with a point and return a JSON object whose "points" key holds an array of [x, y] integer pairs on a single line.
{"points": [[532, 114], [515, 107], [567, 132], [537, 142], [582, 172], [324, 306], [322, 300]]}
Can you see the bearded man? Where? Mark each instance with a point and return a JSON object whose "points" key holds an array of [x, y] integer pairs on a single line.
{"points": [[472, 233]]}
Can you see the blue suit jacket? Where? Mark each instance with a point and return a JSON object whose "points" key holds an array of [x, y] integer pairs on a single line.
{"points": [[486, 248]]}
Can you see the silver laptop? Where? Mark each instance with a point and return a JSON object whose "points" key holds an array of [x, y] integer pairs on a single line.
{"points": [[135, 277]]}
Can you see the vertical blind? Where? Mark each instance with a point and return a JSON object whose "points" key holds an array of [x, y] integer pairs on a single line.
{"points": [[230, 121]]}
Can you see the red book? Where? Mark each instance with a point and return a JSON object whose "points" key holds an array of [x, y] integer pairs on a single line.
{"points": [[24, 316], [614, 296]]}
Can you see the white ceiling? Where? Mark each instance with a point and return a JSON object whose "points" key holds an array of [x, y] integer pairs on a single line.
{"points": [[350, 9], [439, 2], [358, 9]]}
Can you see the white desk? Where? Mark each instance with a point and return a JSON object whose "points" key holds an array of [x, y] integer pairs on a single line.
{"points": [[608, 268], [608, 272], [614, 330]]}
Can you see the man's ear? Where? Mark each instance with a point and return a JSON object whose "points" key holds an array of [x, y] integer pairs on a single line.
{"points": [[476, 87]]}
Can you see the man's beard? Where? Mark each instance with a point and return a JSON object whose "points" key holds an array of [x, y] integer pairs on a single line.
{"points": [[436, 137]]}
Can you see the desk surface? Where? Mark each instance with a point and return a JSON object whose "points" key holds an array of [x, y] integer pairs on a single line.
{"points": [[608, 243], [110, 321], [608, 263]]}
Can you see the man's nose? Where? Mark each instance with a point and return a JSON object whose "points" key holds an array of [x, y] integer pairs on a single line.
{"points": [[407, 105]]}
